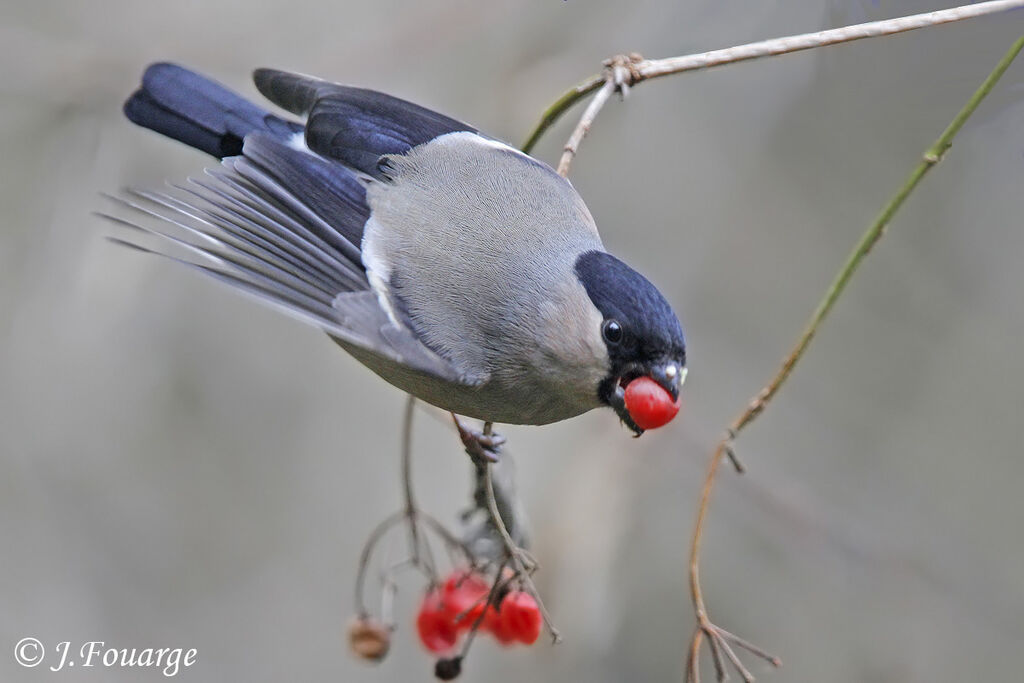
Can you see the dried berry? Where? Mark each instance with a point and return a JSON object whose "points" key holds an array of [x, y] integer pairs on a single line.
{"points": [[369, 639], [448, 669]]}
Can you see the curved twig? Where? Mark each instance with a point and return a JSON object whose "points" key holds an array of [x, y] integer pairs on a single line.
{"points": [[410, 501], [932, 156], [364, 559], [583, 127], [559, 107], [523, 564]]}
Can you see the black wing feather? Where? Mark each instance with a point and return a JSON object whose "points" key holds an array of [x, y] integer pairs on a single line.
{"points": [[354, 125], [332, 194]]}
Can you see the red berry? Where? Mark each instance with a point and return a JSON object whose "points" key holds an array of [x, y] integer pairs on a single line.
{"points": [[465, 580], [649, 404], [519, 619], [503, 629], [435, 623], [465, 595]]}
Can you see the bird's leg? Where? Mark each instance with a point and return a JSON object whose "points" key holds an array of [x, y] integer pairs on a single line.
{"points": [[482, 446]]}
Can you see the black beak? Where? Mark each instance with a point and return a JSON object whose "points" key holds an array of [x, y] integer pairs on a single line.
{"points": [[670, 376], [616, 398]]}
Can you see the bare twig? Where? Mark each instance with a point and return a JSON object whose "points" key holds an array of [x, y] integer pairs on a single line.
{"points": [[503, 525], [410, 502], [583, 126], [930, 158], [364, 559], [693, 658], [716, 657], [807, 41], [523, 564], [644, 69], [512, 548], [619, 74], [560, 106], [417, 523]]}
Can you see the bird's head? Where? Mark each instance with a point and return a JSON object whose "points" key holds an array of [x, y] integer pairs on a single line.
{"points": [[643, 338]]}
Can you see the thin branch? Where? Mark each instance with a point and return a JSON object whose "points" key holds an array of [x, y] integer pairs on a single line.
{"points": [[410, 502], [932, 156], [583, 127], [693, 658], [364, 559], [511, 547], [560, 106], [716, 657], [523, 564], [734, 659], [640, 69], [420, 552], [807, 41], [619, 74]]}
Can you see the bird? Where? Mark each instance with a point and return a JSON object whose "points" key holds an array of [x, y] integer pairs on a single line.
{"points": [[454, 266]]}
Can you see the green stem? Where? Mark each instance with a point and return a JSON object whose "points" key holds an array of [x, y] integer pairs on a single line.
{"points": [[560, 106], [932, 156]]}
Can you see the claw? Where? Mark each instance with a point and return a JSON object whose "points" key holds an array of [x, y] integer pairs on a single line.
{"points": [[481, 446]]}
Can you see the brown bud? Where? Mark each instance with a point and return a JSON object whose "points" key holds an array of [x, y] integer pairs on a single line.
{"points": [[369, 639]]}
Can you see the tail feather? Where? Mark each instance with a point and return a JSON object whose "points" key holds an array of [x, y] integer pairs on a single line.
{"points": [[200, 112]]}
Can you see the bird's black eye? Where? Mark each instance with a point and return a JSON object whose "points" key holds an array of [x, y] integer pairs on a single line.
{"points": [[611, 331]]}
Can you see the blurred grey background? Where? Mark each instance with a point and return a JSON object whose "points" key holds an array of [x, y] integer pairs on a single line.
{"points": [[180, 467]]}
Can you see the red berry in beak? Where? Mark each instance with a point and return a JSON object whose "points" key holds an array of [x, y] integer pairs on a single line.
{"points": [[649, 404]]}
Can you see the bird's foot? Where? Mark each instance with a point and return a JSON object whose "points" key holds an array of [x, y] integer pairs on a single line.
{"points": [[482, 446]]}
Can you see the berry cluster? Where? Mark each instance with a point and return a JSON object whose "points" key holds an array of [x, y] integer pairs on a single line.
{"points": [[452, 609]]}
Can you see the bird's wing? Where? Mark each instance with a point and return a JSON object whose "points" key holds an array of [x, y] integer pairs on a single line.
{"points": [[284, 225], [354, 125]]}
